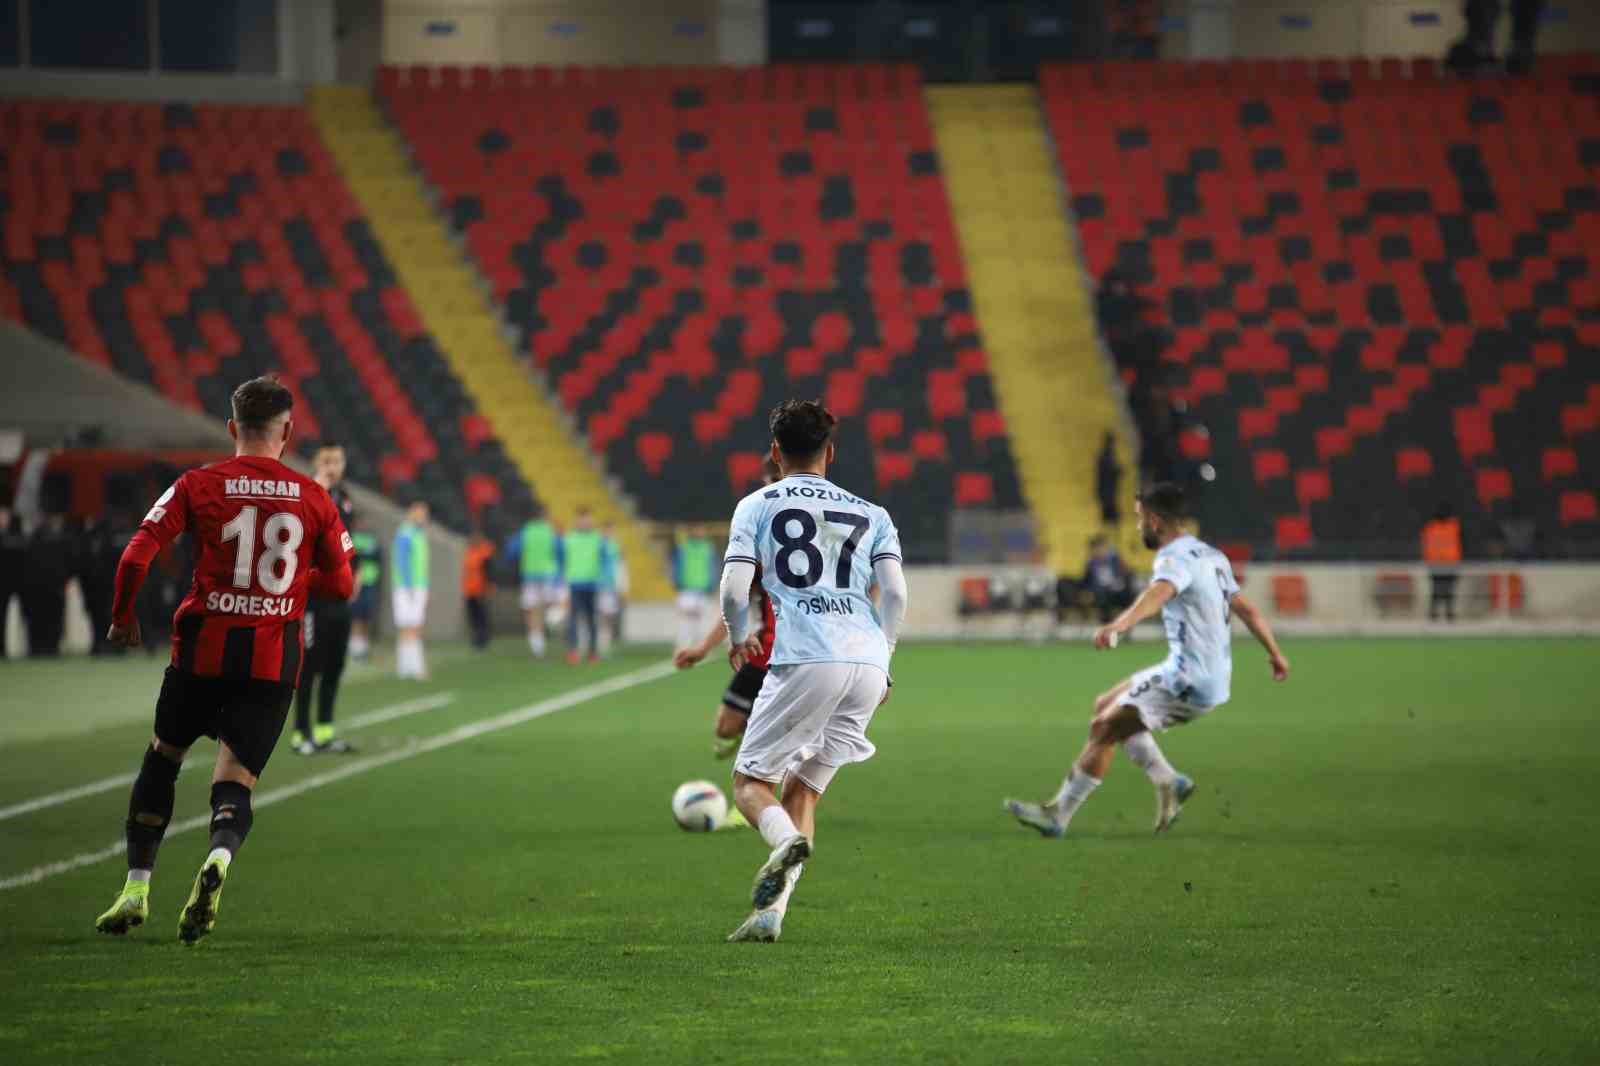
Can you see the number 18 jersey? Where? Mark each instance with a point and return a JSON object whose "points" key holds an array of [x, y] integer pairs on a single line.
{"points": [[816, 545]]}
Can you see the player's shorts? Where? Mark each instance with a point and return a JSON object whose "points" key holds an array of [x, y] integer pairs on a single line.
{"points": [[537, 592], [247, 715], [809, 720], [609, 603], [691, 600], [361, 606], [410, 608], [1150, 693], [744, 688]]}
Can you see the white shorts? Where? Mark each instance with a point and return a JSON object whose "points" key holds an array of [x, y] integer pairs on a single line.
{"points": [[410, 608], [810, 719], [691, 601], [539, 591], [608, 602], [1158, 706]]}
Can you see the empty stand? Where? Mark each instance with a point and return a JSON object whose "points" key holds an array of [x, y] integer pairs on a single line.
{"points": [[192, 247], [1382, 285], [679, 249]]}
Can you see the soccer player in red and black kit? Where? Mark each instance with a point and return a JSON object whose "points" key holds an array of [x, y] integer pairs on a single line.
{"points": [[734, 713], [264, 538]]}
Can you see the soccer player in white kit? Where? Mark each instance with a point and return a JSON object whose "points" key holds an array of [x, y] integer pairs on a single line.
{"points": [[1194, 590], [820, 550]]}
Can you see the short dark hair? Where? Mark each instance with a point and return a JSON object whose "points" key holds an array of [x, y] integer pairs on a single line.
{"points": [[330, 445], [802, 428], [1164, 498], [258, 401]]}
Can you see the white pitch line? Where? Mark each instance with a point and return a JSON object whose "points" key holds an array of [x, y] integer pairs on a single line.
{"points": [[94, 788], [468, 731]]}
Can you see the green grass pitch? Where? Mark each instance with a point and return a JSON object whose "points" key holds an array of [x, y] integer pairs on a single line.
{"points": [[1391, 859]]}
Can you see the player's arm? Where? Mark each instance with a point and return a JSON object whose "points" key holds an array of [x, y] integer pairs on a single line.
{"points": [[1155, 596], [687, 657], [168, 517], [743, 641], [890, 579], [1250, 615]]}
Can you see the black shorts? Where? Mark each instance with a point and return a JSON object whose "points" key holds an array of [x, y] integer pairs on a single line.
{"points": [[247, 714], [744, 688]]}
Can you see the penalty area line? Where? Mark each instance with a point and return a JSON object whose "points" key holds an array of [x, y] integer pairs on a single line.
{"points": [[355, 767]]}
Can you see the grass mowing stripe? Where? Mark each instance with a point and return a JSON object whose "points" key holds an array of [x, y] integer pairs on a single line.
{"points": [[469, 731], [94, 788]]}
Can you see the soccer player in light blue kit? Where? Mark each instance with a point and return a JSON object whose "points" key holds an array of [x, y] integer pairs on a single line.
{"points": [[1194, 590], [819, 549]]}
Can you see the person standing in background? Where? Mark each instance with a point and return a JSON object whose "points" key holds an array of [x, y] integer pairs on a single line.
{"points": [[327, 631], [369, 575], [581, 549], [613, 585], [410, 592], [44, 585], [535, 550], [1108, 482], [1474, 53], [1441, 550], [95, 567], [13, 543], [476, 586], [694, 573]]}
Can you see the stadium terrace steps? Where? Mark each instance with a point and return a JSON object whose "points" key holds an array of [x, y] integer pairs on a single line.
{"points": [[1037, 316], [449, 302]]}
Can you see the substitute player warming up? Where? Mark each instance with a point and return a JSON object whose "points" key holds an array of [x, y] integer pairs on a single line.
{"points": [[258, 529], [819, 549], [1194, 590]]}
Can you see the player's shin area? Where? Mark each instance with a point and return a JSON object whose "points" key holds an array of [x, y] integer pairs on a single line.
{"points": [[754, 797]]}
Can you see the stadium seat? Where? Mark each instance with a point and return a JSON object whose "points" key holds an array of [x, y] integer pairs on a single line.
{"points": [[189, 247], [1393, 312], [681, 247]]}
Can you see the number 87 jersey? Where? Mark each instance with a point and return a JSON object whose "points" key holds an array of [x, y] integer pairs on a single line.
{"points": [[258, 529], [816, 546]]}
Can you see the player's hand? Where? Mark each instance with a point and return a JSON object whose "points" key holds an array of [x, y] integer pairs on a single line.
{"points": [[687, 657], [740, 654], [1280, 667], [124, 636], [1106, 637]]}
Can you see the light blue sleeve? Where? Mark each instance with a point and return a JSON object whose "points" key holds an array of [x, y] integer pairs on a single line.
{"points": [[1170, 568], [744, 532], [886, 538]]}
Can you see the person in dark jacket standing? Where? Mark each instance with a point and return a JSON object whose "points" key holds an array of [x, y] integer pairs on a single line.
{"points": [[1475, 51], [1108, 481], [13, 542], [47, 570], [99, 548], [327, 632]]}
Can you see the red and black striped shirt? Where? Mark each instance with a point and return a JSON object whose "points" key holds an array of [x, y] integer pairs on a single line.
{"points": [[265, 538]]}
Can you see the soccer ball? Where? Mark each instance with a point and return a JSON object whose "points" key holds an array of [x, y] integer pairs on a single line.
{"points": [[699, 806]]}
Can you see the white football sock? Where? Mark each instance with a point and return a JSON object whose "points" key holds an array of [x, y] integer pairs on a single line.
{"points": [[418, 661], [138, 875], [220, 853], [1146, 754], [1074, 790], [781, 904], [359, 647], [776, 826], [536, 641], [402, 657]]}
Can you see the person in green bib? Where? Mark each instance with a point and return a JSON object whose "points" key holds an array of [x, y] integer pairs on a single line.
{"points": [[410, 592], [369, 575], [535, 550], [582, 562], [613, 586], [694, 572]]}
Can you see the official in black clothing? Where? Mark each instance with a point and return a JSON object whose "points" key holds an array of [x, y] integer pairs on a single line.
{"points": [[47, 569], [95, 565], [13, 543], [327, 633]]}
